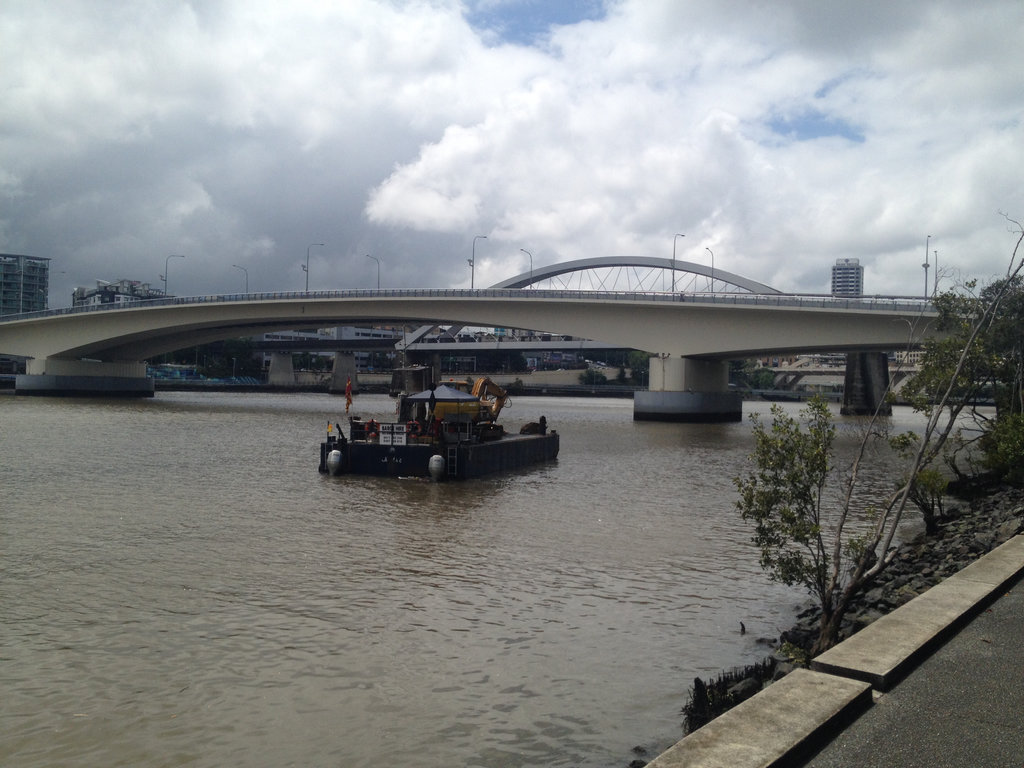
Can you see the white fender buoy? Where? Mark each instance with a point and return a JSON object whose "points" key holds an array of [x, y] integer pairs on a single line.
{"points": [[334, 462], [436, 466]]}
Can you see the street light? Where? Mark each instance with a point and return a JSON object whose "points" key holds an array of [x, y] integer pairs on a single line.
{"points": [[246, 276], [531, 263], [306, 268], [167, 263], [378, 268], [925, 265], [676, 237], [712, 268], [472, 261]]}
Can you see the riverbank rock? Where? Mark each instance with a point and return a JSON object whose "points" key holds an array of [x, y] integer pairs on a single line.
{"points": [[967, 532], [744, 689]]}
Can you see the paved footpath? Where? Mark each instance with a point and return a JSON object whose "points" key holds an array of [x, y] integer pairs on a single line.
{"points": [[963, 706]]}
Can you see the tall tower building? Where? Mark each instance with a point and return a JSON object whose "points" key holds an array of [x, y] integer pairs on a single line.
{"points": [[847, 278], [24, 283]]}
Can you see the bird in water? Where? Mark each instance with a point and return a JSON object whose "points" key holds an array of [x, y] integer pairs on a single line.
{"points": [[743, 628]]}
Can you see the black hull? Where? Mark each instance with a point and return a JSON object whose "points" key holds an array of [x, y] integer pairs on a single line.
{"points": [[462, 460]]}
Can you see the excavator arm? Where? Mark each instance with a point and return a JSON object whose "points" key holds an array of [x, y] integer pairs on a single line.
{"points": [[492, 397]]}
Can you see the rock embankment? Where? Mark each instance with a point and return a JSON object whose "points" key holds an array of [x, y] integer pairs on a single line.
{"points": [[967, 531]]}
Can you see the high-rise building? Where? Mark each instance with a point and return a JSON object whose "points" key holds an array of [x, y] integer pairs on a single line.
{"points": [[118, 292], [24, 283], [847, 278]]}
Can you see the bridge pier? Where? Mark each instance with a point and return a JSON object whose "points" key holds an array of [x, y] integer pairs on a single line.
{"points": [[282, 371], [686, 389], [343, 370], [867, 381], [83, 378]]}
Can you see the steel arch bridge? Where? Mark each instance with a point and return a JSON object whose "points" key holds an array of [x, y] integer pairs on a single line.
{"points": [[635, 274]]}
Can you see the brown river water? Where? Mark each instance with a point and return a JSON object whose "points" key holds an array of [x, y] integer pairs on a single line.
{"points": [[180, 587]]}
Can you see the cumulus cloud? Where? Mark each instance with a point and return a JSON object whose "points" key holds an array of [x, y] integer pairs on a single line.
{"points": [[779, 136]]}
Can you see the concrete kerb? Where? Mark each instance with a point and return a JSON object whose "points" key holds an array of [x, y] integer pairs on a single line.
{"points": [[791, 718], [786, 721], [887, 649]]}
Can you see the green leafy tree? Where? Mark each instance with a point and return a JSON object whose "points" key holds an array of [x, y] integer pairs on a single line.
{"points": [[746, 373], [639, 366], [979, 360], [593, 376], [928, 487], [1003, 447], [783, 495], [762, 378]]}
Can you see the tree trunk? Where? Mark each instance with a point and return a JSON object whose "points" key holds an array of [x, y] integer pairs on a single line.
{"points": [[828, 632]]}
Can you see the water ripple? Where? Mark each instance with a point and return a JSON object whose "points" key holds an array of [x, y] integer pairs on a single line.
{"points": [[185, 589]]}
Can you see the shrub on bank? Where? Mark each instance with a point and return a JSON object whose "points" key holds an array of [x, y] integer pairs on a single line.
{"points": [[966, 532]]}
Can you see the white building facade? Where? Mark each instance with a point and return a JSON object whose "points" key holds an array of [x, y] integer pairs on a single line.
{"points": [[847, 278]]}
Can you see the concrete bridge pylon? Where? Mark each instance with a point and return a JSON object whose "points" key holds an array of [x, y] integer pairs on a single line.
{"points": [[84, 378], [344, 370], [687, 389], [866, 384], [282, 370]]}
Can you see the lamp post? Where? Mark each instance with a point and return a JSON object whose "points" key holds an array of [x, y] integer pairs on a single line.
{"points": [[712, 268], [378, 268], [246, 276], [674, 239], [925, 265], [472, 261], [935, 290], [306, 268], [531, 263], [167, 263]]}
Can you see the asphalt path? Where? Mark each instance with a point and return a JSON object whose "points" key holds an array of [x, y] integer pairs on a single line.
{"points": [[961, 707]]}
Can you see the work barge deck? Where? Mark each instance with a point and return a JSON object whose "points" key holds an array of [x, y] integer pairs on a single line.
{"points": [[453, 451]]}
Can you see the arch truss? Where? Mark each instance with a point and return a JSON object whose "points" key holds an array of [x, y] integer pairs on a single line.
{"points": [[636, 274]]}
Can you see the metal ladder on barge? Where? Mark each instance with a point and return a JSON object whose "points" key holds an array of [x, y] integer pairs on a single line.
{"points": [[452, 461]]}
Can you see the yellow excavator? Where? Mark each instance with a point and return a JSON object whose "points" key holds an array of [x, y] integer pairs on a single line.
{"points": [[491, 396]]}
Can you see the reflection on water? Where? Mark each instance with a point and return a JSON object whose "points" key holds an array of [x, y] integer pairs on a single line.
{"points": [[181, 587]]}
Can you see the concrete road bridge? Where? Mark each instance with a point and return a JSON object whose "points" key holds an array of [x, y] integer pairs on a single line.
{"points": [[692, 335]]}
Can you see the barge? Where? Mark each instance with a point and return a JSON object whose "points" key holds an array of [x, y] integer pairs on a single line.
{"points": [[443, 433]]}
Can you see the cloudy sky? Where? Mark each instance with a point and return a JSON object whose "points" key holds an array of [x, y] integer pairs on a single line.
{"points": [[781, 135]]}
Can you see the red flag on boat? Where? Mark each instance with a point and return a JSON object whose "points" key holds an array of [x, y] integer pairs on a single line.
{"points": [[348, 394]]}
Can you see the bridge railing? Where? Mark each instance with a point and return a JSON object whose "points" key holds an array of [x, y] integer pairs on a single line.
{"points": [[802, 301]]}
